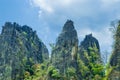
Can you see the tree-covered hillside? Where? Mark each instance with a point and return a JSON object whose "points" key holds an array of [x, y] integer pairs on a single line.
{"points": [[23, 56]]}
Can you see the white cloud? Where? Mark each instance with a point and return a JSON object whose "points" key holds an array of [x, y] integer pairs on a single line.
{"points": [[75, 7], [92, 13], [67, 7], [52, 10], [110, 2], [43, 5]]}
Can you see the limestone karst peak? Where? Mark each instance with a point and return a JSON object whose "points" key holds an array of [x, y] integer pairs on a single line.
{"points": [[68, 26], [90, 41]]}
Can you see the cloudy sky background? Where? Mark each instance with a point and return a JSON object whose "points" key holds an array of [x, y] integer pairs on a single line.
{"points": [[47, 17]]}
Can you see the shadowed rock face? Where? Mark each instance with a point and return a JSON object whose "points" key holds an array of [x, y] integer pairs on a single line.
{"points": [[65, 53], [89, 53], [89, 42], [115, 57], [68, 35], [19, 46]]}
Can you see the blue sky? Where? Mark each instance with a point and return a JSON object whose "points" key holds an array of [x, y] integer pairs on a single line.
{"points": [[47, 17]]}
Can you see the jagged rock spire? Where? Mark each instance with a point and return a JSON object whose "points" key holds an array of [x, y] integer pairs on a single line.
{"points": [[86, 45], [68, 35], [68, 26], [115, 57], [65, 53], [90, 41], [19, 47]]}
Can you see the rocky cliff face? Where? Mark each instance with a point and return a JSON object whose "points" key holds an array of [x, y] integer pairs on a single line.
{"points": [[20, 48], [115, 57], [89, 53], [90, 41], [86, 45], [21, 51], [64, 55]]}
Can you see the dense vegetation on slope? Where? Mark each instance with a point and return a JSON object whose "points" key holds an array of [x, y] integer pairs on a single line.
{"points": [[89, 53], [73, 62], [20, 49], [64, 55], [114, 66], [23, 56]]}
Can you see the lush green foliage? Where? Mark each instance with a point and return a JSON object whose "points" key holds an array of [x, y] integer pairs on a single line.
{"points": [[26, 61], [39, 72], [93, 69]]}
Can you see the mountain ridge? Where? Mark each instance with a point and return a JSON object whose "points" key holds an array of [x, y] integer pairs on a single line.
{"points": [[24, 56]]}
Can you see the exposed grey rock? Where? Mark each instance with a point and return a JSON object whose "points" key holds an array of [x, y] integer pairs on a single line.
{"points": [[89, 53], [19, 47], [115, 57], [64, 54], [90, 41]]}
